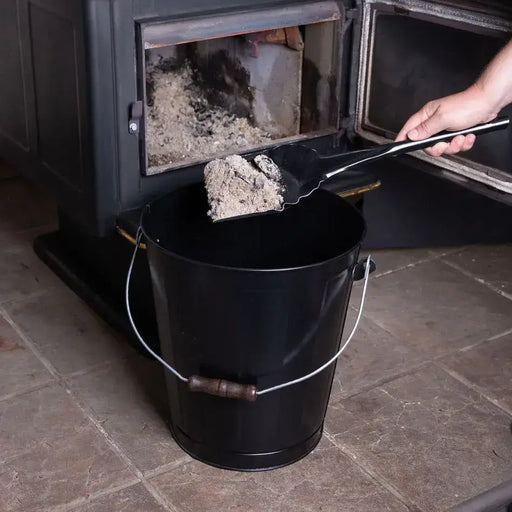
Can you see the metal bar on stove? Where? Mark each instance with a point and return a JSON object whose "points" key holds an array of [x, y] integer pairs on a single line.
{"points": [[200, 28]]}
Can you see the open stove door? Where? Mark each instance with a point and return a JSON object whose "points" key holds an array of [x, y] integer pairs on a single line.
{"points": [[408, 52]]}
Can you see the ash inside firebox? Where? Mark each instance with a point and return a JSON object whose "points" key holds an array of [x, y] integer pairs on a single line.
{"points": [[183, 125]]}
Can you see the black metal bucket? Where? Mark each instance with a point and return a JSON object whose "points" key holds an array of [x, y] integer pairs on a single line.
{"points": [[257, 301]]}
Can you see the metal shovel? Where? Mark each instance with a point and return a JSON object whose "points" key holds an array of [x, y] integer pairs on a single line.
{"points": [[303, 170]]}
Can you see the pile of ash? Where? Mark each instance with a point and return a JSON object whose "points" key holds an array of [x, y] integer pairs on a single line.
{"points": [[182, 125]]}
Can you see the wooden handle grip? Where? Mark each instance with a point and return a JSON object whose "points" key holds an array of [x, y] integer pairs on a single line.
{"points": [[224, 388]]}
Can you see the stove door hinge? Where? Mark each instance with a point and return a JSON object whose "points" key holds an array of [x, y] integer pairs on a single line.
{"points": [[403, 11], [136, 112], [352, 14], [347, 123]]}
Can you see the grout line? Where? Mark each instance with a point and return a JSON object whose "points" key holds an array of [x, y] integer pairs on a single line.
{"points": [[98, 367], [478, 279], [374, 475], [500, 335], [35, 350], [118, 450], [473, 345], [474, 387], [419, 366], [386, 380], [30, 389], [452, 250], [90, 416], [421, 261], [367, 318], [73, 505], [48, 366], [431, 359], [168, 467]]}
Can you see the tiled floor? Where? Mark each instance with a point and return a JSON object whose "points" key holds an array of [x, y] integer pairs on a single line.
{"points": [[419, 419]]}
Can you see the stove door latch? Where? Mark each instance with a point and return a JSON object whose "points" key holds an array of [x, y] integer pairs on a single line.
{"points": [[136, 112]]}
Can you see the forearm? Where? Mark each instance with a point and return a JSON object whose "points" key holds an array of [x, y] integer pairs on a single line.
{"points": [[496, 81]]}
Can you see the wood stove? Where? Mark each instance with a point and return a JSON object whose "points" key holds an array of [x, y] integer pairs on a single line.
{"points": [[89, 88], [110, 103]]}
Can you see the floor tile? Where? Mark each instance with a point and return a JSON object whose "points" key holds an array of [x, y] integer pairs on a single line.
{"points": [[20, 369], [23, 273], [25, 237], [69, 334], [372, 356], [51, 454], [129, 398], [23, 206], [488, 366], [131, 499], [435, 308], [488, 263], [434, 439], [325, 481]]}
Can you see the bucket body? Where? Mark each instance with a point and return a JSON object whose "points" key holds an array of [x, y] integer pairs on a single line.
{"points": [[256, 301]]}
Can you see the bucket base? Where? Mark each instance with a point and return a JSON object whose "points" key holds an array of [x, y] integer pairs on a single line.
{"points": [[246, 461]]}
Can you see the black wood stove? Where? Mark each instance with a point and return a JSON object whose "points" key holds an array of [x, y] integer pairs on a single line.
{"points": [[110, 103]]}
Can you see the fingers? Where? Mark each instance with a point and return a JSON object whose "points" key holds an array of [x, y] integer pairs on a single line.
{"points": [[455, 145], [425, 123], [438, 149], [469, 142], [428, 127], [411, 123], [459, 143]]}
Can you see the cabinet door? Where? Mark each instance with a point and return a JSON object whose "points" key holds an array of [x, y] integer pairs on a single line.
{"points": [[44, 115]]}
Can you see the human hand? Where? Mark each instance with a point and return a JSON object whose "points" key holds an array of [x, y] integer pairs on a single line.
{"points": [[456, 112]]}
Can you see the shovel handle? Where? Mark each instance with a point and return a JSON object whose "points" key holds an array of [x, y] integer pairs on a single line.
{"points": [[400, 148]]}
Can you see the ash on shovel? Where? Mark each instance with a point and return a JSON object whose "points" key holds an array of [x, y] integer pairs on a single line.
{"points": [[236, 186]]}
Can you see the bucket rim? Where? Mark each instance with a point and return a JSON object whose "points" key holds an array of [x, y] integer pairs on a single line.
{"points": [[193, 261]]}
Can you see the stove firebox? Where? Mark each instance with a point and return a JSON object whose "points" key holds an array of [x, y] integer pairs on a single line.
{"points": [[231, 93]]}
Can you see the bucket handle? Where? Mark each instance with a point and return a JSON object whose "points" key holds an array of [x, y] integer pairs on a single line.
{"points": [[228, 389]]}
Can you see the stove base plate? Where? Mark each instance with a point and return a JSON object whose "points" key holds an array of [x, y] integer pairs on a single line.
{"points": [[104, 297]]}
